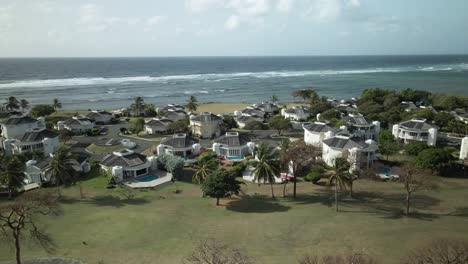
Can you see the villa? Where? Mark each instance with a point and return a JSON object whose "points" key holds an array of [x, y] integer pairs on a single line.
{"points": [[415, 130], [296, 113], [16, 126], [179, 145], [250, 111], [233, 146], [157, 126], [361, 154], [267, 107], [100, 116], [206, 125], [175, 115], [244, 119], [361, 127], [173, 107], [77, 124], [408, 106], [36, 139], [128, 164], [315, 133]]}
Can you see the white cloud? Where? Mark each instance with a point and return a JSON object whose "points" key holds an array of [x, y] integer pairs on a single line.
{"points": [[284, 6], [232, 23], [353, 3], [250, 7], [153, 21], [323, 10], [91, 18], [200, 5]]}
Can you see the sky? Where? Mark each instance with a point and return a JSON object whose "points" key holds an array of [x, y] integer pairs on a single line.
{"points": [[120, 28]]}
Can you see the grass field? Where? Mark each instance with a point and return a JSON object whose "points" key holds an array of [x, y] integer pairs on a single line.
{"points": [[160, 226]]}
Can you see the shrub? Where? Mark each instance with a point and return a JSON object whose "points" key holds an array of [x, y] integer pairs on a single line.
{"points": [[414, 148], [255, 125], [314, 175], [171, 164], [42, 110]]}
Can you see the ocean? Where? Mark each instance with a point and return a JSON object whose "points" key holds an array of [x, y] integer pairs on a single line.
{"points": [[110, 83]]}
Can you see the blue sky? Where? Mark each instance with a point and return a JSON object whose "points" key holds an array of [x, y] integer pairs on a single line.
{"points": [[50, 28]]}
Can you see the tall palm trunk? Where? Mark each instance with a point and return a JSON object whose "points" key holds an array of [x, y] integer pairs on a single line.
{"points": [[294, 189], [217, 201], [336, 196], [408, 202], [284, 188], [351, 189], [16, 236], [272, 193]]}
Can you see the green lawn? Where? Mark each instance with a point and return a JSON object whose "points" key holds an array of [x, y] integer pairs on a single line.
{"points": [[160, 226]]}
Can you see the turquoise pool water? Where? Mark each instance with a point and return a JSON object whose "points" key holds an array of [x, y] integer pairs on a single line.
{"points": [[384, 170], [147, 178], [236, 158]]}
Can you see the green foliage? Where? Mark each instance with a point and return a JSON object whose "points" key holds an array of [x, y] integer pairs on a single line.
{"points": [[203, 168], [255, 125], [192, 104], [238, 169], [318, 107], [414, 95], [180, 126], [221, 184], [306, 94], [414, 148], [92, 132], [42, 110], [11, 173], [434, 159], [448, 102], [442, 119], [315, 174], [60, 167], [279, 123], [171, 164], [330, 114], [337, 122], [387, 143], [56, 104], [138, 125], [12, 103], [457, 126], [424, 114], [228, 123], [208, 155], [267, 166]]}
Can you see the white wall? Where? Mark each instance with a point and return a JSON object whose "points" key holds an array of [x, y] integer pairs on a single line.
{"points": [[464, 148]]}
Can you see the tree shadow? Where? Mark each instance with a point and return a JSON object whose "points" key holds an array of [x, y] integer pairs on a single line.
{"points": [[256, 204], [459, 211], [321, 197], [115, 201]]}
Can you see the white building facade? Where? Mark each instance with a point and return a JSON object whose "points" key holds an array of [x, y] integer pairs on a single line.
{"points": [[416, 130]]}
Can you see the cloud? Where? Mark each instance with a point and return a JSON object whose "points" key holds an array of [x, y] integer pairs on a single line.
{"points": [[284, 6], [249, 7], [197, 6], [232, 23], [155, 20], [353, 3], [91, 18], [323, 10]]}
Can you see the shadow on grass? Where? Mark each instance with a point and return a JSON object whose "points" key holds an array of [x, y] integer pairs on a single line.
{"points": [[460, 211], [105, 201], [256, 204]]}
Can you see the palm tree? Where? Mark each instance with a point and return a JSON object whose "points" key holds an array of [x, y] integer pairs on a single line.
{"points": [[12, 103], [24, 104], [60, 167], [339, 175], [56, 104], [274, 98], [192, 104], [11, 173], [203, 168], [138, 106], [266, 167]]}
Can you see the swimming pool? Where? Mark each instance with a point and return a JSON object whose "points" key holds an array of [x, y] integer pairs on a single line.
{"points": [[147, 178], [235, 158], [384, 170]]}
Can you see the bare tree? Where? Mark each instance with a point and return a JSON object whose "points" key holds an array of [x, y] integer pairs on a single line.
{"points": [[414, 180], [447, 251], [354, 258], [215, 252], [18, 218]]}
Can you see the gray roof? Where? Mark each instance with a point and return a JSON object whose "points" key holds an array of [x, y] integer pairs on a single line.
{"points": [[179, 141], [15, 120], [344, 143], [38, 135], [129, 159], [159, 122], [247, 118], [78, 121], [252, 110], [93, 115], [296, 109], [206, 117], [358, 120], [416, 125], [320, 127], [265, 105], [232, 139]]}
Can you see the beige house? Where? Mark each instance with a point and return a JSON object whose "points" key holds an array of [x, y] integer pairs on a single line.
{"points": [[206, 125]]}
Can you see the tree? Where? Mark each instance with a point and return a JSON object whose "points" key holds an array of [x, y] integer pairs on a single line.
{"points": [[12, 103], [192, 104], [138, 125], [24, 104], [42, 110], [221, 184], [414, 148], [172, 164], [387, 143], [56, 104], [228, 123], [203, 168], [306, 94], [266, 166], [20, 217], [298, 157], [426, 113], [254, 125], [330, 114], [180, 126], [279, 123], [318, 107], [434, 159], [353, 258], [414, 180], [274, 98], [449, 251], [442, 119], [12, 173], [60, 167], [138, 106], [339, 175], [216, 252], [150, 110]]}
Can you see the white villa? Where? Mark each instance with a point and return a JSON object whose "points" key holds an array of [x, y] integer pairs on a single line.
{"points": [[361, 154], [267, 107], [77, 124], [36, 139], [415, 130], [174, 107], [206, 125], [100, 116], [157, 126], [250, 111], [128, 164], [179, 145], [16, 126], [233, 145], [296, 113], [464, 148], [174, 115], [244, 119], [361, 127], [315, 133]]}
